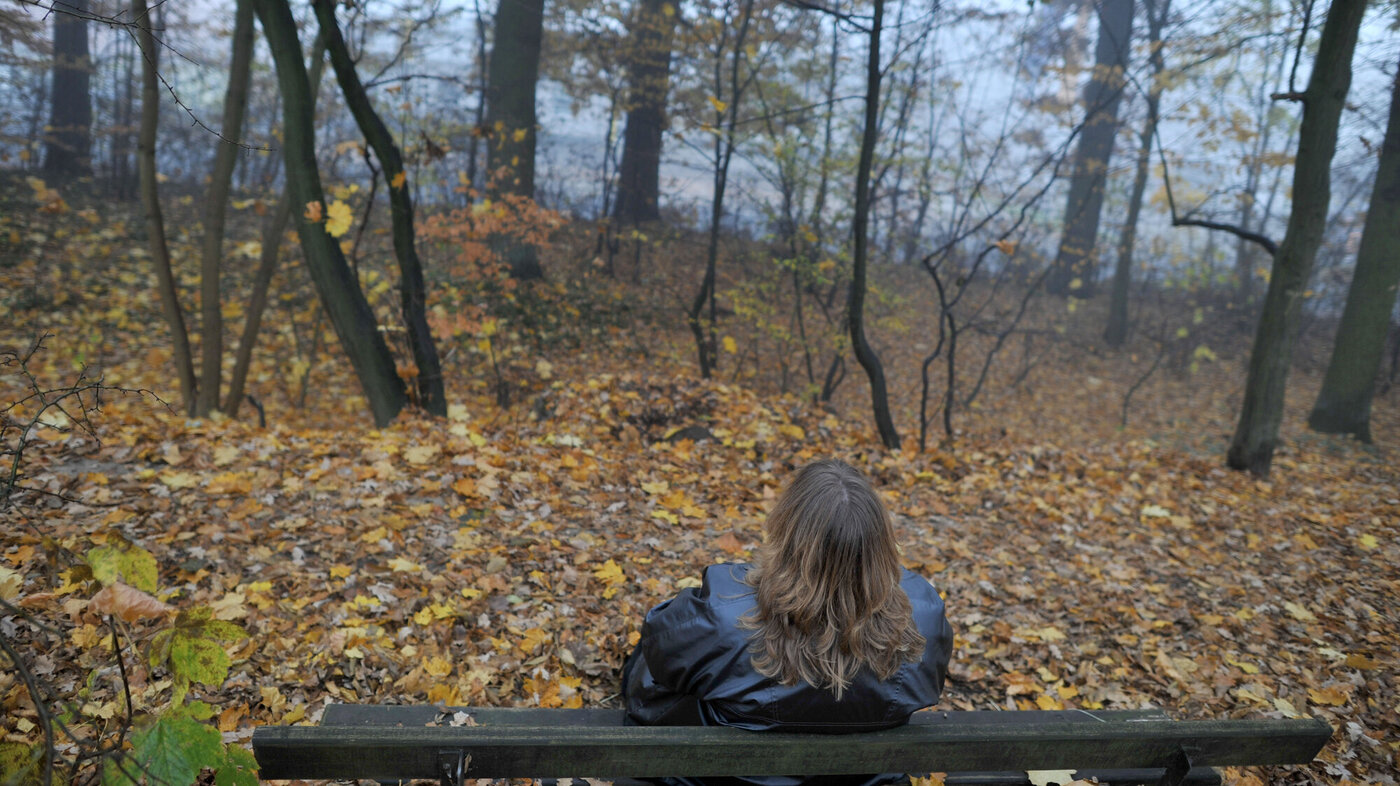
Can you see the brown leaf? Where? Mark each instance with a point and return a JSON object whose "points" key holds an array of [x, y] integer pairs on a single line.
{"points": [[127, 602]]}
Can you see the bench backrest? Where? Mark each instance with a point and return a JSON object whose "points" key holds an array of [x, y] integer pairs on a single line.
{"points": [[388, 743]]}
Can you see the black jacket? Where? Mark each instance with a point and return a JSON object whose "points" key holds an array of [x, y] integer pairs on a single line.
{"points": [[693, 666]]}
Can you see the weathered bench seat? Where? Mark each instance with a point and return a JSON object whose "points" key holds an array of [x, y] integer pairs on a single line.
{"points": [[389, 743]]}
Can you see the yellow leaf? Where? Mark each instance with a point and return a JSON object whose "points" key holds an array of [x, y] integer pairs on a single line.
{"points": [[179, 480], [690, 581], [665, 515], [610, 573], [339, 219], [793, 430], [1048, 702], [1298, 612], [1368, 541], [398, 180], [1358, 661], [471, 593], [720, 106], [1332, 695], [1155, 512], [423, 616], [1286, 707], [421, 454], [1006, 247], [341, 571], [401, 565], [314, 212], [533, 639], [438, 666], [730, 345], [656, 487]]}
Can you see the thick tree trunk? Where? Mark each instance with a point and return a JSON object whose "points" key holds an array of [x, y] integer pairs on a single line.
{"points": [[267, 261], [225, 159], [412, 292], [155, 220], [340, 293], [1252, 446], [1344, 403], [68, 141], [1076, 265], [1117, 330], [510, 120], [855, 304], [510, 98], [649, 76]]}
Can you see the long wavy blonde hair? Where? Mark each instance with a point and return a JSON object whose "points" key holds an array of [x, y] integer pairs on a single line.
{"points": [[826, 582]]}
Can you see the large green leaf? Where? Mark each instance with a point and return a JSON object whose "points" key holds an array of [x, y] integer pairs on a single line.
{"points": [[240, 769], [174, 749], [124, 562], [199, 659]]}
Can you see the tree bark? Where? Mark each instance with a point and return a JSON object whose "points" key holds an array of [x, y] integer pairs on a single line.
{"points": [[1344, 403], [225, 159], [155, 219], [1256, 434], [340, 293], [639, 180], [68, 142], [1117, 330], [855, 304], [412, 292], [510, 98], [267, 261], [1076, 266]]}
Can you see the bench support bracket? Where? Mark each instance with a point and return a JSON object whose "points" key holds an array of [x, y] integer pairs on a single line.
{"points": [[1175, 773], [452, 766]]}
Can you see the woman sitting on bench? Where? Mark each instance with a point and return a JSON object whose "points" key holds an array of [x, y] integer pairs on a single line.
{"points": [[825, 632]]}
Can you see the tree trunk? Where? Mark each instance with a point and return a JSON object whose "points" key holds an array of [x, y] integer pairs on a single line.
{"points": [[275, 225], [1252, 446], [510, 98], [639, 181], [1075, 264], [412, 293], [155, 220], [510, 120], [340, 293], [225, 159], [1344, 403], [1117, 330], [855, 304], [68, 142]]}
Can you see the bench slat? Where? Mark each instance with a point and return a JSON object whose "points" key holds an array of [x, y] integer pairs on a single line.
{"points": [[424, 714], [946, 745]]}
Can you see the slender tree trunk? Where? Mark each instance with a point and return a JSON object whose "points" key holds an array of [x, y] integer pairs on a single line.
{"points": [[340, 293], [225, 159], [68, 141], [155, 220], [855, 304], [639, 181], [1344, 403], [273, 228], [1117, 330], [1256, 434], [412, 292], [1076, 266], [706, 345]]}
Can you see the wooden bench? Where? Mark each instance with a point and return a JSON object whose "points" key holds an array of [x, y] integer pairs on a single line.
{"points": [[391, 743]]}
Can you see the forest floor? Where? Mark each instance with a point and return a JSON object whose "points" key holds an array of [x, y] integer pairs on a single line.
{"points": [[506, 556]]}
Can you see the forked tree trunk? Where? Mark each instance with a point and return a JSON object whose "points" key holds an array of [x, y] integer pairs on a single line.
{"points": [[855, 305], [1076, 266], [412, 292], [340, 293], [275, 225], [1256, 434], [68, 141], [225, 159], [649, 76], [155, 219], [1344, 403]]}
